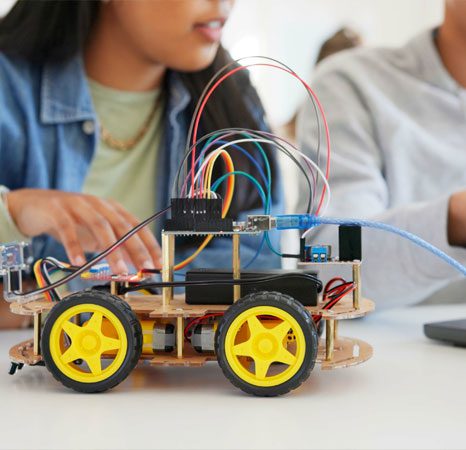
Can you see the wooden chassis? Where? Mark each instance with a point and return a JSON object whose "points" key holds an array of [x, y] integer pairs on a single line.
{"points": [[334, 351]]}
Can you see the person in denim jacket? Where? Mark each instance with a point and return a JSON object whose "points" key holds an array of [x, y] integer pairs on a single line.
{"points": [[67, 70]]}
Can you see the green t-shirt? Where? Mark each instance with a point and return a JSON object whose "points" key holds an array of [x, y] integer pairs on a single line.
{"points": [[127, 176]]}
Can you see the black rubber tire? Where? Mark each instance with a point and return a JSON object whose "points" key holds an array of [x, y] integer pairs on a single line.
{"points": [[298, 312], [129, 321]]}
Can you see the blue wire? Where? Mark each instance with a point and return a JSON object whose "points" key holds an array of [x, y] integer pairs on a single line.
{"points": [[268, 203], [267, 208], [269, 244], [264, 156], [264, 202], [215, 186], [246, 153], [316, 221], [258, 251]]}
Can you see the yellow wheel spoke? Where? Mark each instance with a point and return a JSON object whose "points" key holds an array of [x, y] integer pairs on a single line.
{"points": [[280, 331], [95, 322], [71, 354], [94, 364], [243, 349], [255, 325], [109, 344], [262, 334], [285, 357], [103, 333], [71, 329], [261, 368]]}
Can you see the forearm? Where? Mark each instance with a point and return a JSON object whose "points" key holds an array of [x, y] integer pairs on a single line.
{"points": [[9, 232]]}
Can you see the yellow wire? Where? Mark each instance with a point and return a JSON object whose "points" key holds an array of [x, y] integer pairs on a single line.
{"points": [[210, 169], [37, 273], [226, 207], [195, 254]]}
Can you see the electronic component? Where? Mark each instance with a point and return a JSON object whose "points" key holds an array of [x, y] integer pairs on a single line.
{"points": [[260, 222], [102, 272], [304, 289], [453, 331], [318, 253], [14, 257], [197, 214], [203, 337], [157, 337], [294, 221], [164, 337], [349, 239]]}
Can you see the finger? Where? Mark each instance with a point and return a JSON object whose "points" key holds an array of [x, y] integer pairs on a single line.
{"points": [[145, 234], [135, 247], [65, 228], [98, 225]]}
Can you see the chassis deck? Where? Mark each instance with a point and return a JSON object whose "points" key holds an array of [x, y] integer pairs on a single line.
{"points": [[334, 351]]}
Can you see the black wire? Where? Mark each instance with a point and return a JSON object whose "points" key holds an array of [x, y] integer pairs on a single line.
{"points": [[253, 133], [232, 282], [233, 63], [45, 274], [334, 299], [56, 265], [96, 259]]}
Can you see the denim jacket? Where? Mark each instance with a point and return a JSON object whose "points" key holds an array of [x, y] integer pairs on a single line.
{"points": [[49, 134]]}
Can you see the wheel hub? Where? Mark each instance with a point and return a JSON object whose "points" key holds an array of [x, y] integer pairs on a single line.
{"points": [[266, 345], [90, 342]]}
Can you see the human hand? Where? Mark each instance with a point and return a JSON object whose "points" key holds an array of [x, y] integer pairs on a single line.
{"points": [[83, 223], [457, 219]]}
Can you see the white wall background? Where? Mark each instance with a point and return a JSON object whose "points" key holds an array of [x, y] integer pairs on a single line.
{"points": [[293, 30]]}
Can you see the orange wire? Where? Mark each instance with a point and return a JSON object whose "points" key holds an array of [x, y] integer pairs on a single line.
{"points": [[226, 206]]}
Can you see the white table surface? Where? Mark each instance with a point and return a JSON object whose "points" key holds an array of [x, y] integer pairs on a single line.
{"points": [[412, 394]]}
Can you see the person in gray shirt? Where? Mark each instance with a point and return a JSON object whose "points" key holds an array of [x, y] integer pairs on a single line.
{"points": [[397, 121]]}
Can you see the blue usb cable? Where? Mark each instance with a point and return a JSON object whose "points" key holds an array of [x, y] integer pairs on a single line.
{"points": [[306, 221]]}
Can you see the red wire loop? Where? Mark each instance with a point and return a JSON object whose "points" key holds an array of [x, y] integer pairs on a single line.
{"points": [[229, 74]]}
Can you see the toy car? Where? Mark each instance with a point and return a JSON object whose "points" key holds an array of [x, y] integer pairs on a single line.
{"points": [[262, 329], [266, 342]]}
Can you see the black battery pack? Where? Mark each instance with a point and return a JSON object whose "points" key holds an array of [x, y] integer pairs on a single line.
{"points": [[302, 285], [349, 239]]}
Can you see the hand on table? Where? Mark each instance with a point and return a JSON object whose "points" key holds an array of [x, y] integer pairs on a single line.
{"points": [[83, 223]]}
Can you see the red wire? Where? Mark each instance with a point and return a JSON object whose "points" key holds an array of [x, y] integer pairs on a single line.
{"points": [[330, 282], [197, 320], [232, 72], [342, 291]]}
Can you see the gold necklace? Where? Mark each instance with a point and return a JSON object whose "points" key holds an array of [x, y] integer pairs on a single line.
{"points": [[125, 145]]}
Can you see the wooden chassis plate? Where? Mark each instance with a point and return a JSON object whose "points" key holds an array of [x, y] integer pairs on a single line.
{"points": [[23, 353], [152, 306], [347, 352], [344, 355]]}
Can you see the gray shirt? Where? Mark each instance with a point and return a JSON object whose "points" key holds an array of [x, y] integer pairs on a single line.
{"points": [[398, 133]]}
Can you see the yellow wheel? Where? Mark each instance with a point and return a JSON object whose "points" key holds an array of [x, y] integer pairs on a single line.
{"points": [[91, 341], [266, 344]]}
